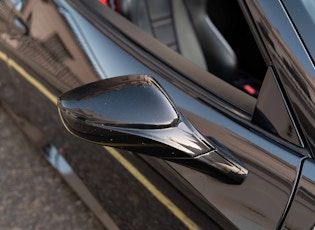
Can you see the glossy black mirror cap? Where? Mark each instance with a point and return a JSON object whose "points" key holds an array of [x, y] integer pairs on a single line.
{"points": [[128, 101], [131, 112]]}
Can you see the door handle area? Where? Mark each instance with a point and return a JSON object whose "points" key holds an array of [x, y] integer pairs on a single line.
{"points": [[134, 113]]}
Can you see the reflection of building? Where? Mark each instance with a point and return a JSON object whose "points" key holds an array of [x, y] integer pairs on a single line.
{"points": [[279, 50], [4, 10], [51, 45], [295, 73], [298, 78]]}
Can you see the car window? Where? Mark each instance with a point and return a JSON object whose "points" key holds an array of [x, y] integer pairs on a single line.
{"points": [[215, 37]]}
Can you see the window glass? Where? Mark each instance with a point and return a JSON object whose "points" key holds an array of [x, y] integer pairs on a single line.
{"points": [[302, 14], [212, 34]]}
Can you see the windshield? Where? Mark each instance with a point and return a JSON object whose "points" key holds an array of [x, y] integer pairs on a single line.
{"points": [[302, 14]]}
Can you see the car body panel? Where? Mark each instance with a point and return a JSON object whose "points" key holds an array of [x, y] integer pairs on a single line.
{"points": [[63, 50], [290, 58], [301, 214]]}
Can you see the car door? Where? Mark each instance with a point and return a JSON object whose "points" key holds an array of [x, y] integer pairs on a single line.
{"points": [[301, 212], [212, 121], [246, 127]]}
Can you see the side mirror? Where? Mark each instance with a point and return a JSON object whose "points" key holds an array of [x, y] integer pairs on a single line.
{"points": [[134, 113]]}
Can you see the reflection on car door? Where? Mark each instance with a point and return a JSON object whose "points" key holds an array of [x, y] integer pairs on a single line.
{"points": [[301, 214], [258, 203]]}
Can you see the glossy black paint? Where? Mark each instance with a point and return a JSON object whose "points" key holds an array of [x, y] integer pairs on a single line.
{"points": [[97, 43], [270, 100], [134, 101], [301, 214], [293, 64], [134, 113], [301, 13], [295, 69]]}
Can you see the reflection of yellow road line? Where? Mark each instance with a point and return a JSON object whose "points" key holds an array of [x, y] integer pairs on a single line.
{"points": [[127, 165], [30, 79], [159, 195]]}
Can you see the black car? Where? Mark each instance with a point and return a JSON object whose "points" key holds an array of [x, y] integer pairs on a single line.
{"points": [[214, 98]]}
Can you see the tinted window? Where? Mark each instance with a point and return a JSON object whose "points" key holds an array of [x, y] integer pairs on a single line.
{"points": [[212, 34]]}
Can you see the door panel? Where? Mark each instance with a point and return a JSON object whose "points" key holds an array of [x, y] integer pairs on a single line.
{"points": [[301, 214], [87, 55], [258, 203]]}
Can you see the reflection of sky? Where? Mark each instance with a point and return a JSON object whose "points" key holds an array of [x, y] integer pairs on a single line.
{"points": [[192, 144], [57, 160], [309, 170], [274, 13], [309, 5], [18, 4]]}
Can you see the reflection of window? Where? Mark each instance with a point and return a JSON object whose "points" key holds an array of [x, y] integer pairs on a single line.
{"points": [[18, 4], [212, 34]]}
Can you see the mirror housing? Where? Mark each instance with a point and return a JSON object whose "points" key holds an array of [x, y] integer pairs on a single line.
{"points": [[134, 113]]}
